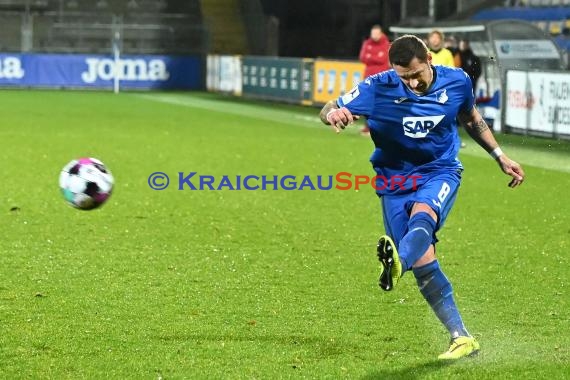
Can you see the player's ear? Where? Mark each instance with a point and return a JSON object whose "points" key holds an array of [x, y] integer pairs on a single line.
{"points": [[429, 58]]}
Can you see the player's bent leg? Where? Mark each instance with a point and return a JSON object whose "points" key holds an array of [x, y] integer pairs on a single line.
{"points": [[391, 265], [419, 236]]}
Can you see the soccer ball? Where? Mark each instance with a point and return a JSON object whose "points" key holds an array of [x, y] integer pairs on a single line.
{"points": [[86, 183]]}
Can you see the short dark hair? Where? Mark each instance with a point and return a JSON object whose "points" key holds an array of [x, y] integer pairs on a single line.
{"points": [[404, 49]]}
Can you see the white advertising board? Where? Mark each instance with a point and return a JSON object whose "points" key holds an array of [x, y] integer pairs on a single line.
{"points": [[538, 101], [224, 74]]}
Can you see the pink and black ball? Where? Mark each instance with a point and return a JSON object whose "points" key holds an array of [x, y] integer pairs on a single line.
{"points": [[86, 183]]}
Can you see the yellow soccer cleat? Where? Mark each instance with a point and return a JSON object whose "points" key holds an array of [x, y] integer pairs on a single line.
{"points": [[461, 347], [391, 265]]}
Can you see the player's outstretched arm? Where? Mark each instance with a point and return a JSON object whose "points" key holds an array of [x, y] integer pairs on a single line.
{"points": [[479, 131], [336, 117]]}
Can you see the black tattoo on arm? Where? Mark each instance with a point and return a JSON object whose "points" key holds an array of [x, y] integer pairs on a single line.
{"points": [[478, 129], [479, 126]]}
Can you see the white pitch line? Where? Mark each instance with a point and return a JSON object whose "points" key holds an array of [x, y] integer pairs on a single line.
{"points": [[245, 110]]}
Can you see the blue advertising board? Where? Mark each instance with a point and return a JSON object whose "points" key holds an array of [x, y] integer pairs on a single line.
{"points": [[98, 71]]}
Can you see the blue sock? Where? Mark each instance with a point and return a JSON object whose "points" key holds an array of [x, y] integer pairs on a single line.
{"points": [[437, 291], [417, 240]]}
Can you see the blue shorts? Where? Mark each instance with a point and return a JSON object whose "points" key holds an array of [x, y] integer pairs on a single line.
{"points": [[439, 192]]}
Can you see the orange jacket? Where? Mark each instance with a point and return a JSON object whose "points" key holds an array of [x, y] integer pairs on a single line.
{"points": [[375, 55]]}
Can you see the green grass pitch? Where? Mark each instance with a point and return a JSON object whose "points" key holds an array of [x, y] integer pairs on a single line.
{"points": [[258, 284]]}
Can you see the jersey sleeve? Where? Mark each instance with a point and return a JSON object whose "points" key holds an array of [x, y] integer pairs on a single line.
{"points": [[469, 96], [359, 100]]}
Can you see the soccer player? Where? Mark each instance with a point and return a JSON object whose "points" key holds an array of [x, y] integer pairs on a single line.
{"points": [[412, 111]]}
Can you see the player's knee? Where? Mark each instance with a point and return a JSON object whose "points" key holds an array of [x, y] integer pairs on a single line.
{"points": [[424, 208], [422, 220]]}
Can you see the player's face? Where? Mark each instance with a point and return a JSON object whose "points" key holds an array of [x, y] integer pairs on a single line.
{"points": [[417, 75]]}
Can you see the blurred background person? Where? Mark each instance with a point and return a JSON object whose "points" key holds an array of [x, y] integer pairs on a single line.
{"points": [[374, 55], [470, 63], [452, 45], [439, 54]]}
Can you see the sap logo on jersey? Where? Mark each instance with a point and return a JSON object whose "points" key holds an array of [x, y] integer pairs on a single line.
{"points": [[127, 69], [419, 127]]}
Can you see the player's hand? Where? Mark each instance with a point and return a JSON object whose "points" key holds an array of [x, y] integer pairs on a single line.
{"points": [[339, 118], [513, 169]]}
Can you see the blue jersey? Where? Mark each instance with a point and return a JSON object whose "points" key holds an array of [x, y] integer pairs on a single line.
{"points": [[415, 135]]}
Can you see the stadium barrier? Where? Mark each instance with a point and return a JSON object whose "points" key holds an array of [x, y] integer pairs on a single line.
{"points": [[100, 71], [538, 103], [292, 80], [282, 79]]}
